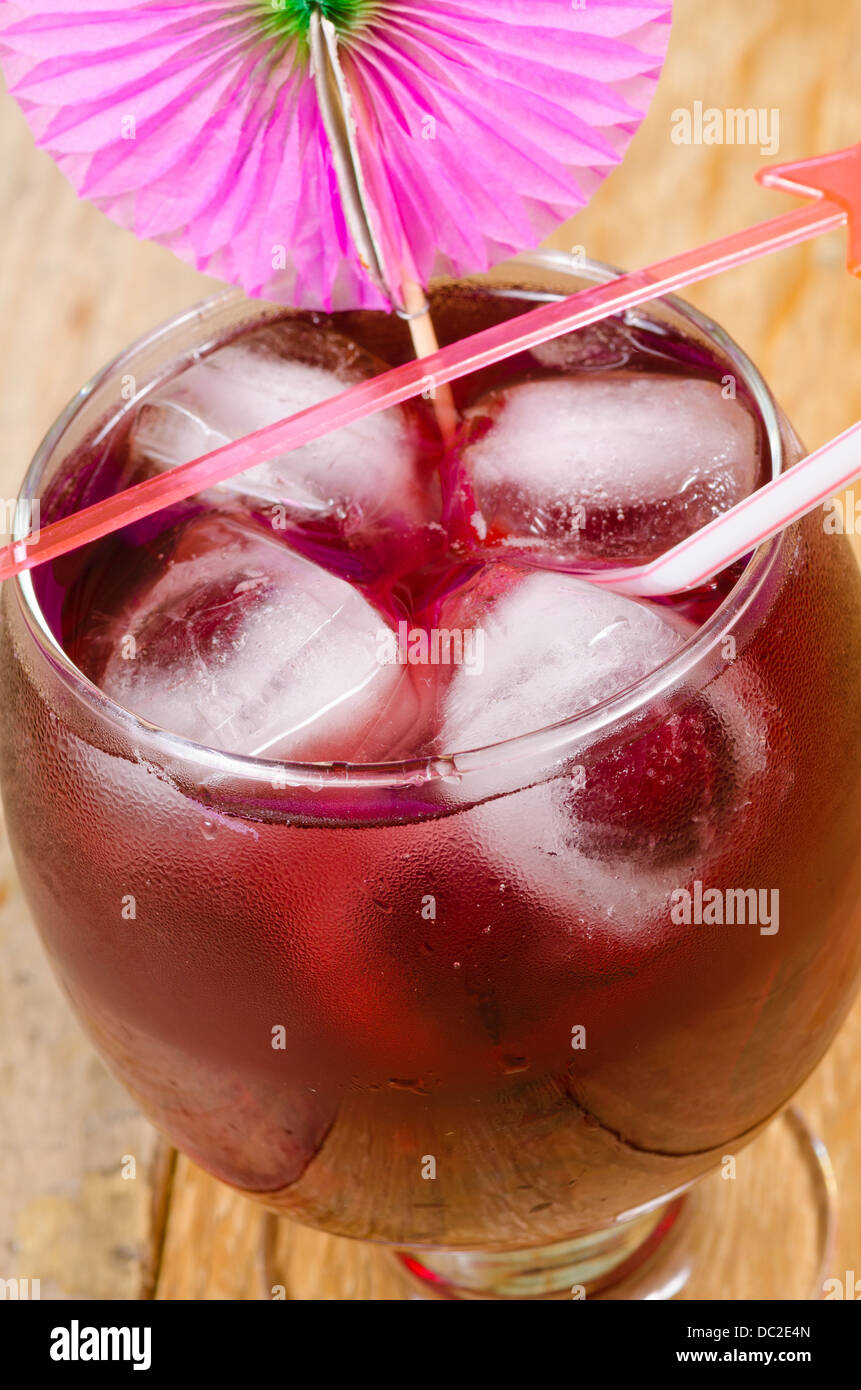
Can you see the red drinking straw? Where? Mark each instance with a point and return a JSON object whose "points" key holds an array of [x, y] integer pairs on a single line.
{"points": [[834, 180]]}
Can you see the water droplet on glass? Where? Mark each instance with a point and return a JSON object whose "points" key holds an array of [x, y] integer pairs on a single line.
{"points": [[511, 1064], [413, 1085]]}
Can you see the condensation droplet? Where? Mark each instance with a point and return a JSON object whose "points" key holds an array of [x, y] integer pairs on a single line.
{"points": [[413, 1085], [511, 1065]]}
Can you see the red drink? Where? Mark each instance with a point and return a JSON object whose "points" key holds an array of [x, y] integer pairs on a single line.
{"points": [[491, 1001]]}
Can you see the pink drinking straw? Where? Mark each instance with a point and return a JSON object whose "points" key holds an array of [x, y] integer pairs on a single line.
{"points": [[834, 180]]}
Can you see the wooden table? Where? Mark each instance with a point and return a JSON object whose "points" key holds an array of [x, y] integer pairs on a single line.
{"points": [[73, 291]]}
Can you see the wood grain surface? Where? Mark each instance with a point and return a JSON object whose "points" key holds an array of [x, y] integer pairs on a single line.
{"points": [[91, 1203]]}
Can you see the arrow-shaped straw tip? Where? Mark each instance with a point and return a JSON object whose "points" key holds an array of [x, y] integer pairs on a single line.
{"points": [[834, 177]]}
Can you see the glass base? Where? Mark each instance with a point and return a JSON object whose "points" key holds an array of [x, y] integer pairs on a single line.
{"points": [[762, 1227]]}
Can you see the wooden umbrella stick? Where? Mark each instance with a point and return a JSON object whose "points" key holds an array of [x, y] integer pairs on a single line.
{"points": [[336, 106], [425, 343]]}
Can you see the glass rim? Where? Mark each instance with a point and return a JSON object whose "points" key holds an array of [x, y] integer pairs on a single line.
{"points": [[554, 740]]}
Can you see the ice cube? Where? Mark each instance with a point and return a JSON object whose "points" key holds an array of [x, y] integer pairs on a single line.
{"points": [[617, 464], [550, 645], [608, 343], [240, 644], [600, 836], [603, 843], [377, 466]]}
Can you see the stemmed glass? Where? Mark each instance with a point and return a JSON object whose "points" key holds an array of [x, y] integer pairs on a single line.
{"points": [[424, 1091]]}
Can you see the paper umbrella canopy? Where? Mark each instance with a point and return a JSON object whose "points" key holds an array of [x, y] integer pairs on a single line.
{"points": [[469, 128]]}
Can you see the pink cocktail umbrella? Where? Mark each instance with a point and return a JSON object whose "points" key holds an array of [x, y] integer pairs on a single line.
{"points": [[325, 155], [334, 154]]}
